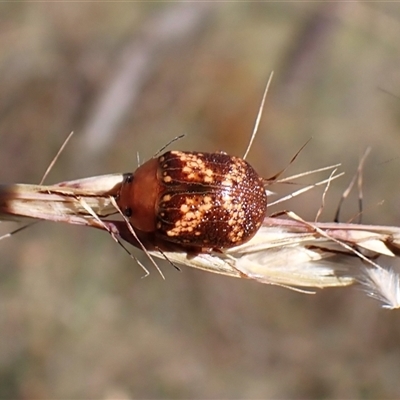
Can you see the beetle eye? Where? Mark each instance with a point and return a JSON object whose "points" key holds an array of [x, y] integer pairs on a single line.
{"points": [[129, 178], [128, 212]]}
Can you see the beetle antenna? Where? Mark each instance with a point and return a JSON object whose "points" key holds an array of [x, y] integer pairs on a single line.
{"points": [[113, 235], [175, 139], [114, 203]]}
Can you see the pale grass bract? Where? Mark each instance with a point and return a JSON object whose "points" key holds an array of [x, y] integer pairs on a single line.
{"points": [[287, 251]]}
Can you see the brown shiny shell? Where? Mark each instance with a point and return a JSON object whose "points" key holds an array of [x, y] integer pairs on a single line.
{"points": [[209, 200]]}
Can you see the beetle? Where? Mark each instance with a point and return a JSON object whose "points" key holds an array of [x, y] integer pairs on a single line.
{"points": [[196, 199]]}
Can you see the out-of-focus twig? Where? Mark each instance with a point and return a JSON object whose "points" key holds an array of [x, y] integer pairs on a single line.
{"points": [[308, 52], [138, 62]]}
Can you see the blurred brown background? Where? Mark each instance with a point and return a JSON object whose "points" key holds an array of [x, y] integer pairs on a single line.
{"points": [[76, 320]]}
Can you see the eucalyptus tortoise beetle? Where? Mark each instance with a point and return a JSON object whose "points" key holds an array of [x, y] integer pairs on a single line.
{"points": [[196, 199]]}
